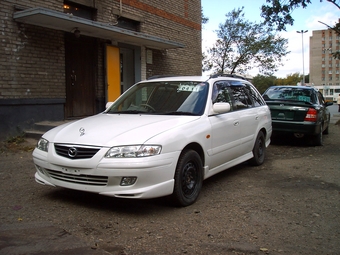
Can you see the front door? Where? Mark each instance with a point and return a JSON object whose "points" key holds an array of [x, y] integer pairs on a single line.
{"points": [[80, 76]]}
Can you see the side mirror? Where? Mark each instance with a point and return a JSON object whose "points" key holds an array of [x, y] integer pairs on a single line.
{"points": [[328, 103], [108, 105], [221, 107]]}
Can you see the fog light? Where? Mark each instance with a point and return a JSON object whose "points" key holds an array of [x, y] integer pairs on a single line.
{"points": [[127, 181], [40, 169]]}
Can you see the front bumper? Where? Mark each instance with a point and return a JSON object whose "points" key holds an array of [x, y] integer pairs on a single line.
{"points": [[155, 175]]}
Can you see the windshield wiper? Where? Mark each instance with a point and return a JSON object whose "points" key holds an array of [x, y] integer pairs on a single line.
{"points": [[179, 113], [127, 112]]}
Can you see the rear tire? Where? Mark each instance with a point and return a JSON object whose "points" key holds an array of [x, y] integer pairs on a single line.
{"points": [[259, 150], [188, 178], [318, 139], [326, 131]]}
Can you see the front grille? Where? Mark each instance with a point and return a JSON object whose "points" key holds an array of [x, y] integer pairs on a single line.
{"points": [[75, 152], [84, 179]]}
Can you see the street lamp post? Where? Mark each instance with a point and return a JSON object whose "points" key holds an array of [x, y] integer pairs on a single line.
{"points": [[303, 58]]}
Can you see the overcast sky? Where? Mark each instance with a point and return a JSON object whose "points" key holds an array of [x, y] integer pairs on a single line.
{"points": [[304, 19]]}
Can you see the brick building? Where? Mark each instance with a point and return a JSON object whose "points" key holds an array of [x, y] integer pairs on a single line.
{"points": [[324, 68], [65, 59]]}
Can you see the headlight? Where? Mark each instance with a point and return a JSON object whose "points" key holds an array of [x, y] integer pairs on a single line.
{"points": [[133, 151], [42, 144]]}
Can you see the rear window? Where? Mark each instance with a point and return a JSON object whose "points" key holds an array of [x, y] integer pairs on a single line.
{"points": [[290, 94]]}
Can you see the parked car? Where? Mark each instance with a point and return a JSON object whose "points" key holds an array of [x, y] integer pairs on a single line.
{"points": [[298, 110], [162, 137]]}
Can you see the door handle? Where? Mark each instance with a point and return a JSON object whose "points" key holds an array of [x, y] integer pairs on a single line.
{"points": [[73, 78]]}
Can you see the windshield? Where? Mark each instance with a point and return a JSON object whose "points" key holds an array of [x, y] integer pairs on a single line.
{"points": [[290, 94], [171, 97]]}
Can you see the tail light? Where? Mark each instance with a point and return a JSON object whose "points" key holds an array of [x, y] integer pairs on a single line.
{"points": [[311, 115]]}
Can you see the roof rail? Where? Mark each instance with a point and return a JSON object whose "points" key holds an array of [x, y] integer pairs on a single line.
{"points": [[226, 75]]}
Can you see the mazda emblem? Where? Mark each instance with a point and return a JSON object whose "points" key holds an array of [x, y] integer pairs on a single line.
{"points": [[82, 131], [72, 152]]}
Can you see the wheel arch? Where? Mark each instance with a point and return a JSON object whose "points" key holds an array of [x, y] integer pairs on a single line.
{"points": [[196, 147], [264, 131]]}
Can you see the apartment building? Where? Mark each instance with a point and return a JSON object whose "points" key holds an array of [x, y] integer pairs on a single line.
{"points": [[324, 69], [64, 59]]}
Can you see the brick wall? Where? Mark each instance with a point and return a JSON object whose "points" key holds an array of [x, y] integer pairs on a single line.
{"points": [[32, 62]]}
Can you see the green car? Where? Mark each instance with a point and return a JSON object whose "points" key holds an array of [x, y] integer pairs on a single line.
{"points": [[298, 110]]}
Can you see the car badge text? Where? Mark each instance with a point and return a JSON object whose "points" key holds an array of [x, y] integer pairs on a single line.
{"points": [[82, 131]]}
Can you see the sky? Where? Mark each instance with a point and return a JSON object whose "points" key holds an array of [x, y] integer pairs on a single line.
{"points": [[304, 19]]}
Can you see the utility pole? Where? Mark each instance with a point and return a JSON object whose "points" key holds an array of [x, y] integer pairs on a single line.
{"points": [[303, 58]]}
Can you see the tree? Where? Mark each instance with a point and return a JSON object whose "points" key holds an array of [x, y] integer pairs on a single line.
{"points": [[278, 12], [204, 19], [262, 82], [243, 45], [291, 79]]}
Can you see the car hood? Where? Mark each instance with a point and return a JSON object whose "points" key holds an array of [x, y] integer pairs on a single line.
{"points": [[115, 129]]}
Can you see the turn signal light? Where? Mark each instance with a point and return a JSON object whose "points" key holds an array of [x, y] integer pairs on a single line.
{"points": [[311, 115]]}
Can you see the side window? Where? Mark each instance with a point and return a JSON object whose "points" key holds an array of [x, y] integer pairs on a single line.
{"points": [[255, 96], [241, 98], [321, 99], [221, 92]]}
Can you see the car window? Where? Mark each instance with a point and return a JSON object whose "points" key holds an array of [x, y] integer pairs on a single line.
{"points": [[290, 94], [321, 98], [169, 97], [241, 98], [255, 96], [221, 92]]}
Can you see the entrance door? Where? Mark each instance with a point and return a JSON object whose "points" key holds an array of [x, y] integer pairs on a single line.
{"points": [[120, 66], [80, 76], [127, 65]]}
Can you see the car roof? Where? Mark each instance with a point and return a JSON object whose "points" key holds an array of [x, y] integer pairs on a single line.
{"points": [[294, 86], [159, 78], [177, 78]]}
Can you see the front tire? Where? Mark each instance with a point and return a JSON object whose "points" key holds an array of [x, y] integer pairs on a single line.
{"points": [[188, 178], [259, 150]]}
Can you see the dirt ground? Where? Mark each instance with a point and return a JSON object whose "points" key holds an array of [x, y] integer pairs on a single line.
{"points": [[289, 205]]}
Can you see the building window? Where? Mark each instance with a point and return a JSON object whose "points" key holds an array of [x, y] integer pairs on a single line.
{"points": [[128, 24], [79, 10], [323, 65], [330, 72], [323, 78]]}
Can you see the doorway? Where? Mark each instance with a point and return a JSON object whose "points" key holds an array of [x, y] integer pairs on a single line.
{"points": [[120, 70], [80, 63]]}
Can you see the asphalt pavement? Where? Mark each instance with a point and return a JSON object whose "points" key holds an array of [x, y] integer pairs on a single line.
{"points": [[42, 238]]}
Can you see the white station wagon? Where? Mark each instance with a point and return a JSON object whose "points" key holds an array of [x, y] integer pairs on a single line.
{"points": [[163, 136]]}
